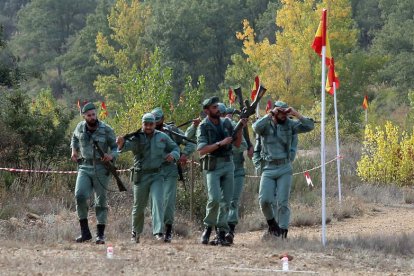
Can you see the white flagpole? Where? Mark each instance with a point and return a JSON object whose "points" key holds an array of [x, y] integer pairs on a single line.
{"points": [[323, 148], [338, 160]]}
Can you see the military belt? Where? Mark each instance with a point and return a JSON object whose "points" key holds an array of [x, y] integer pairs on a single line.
{"points": [[224, 158], [91, 162], [149, 171], [278, 162]]}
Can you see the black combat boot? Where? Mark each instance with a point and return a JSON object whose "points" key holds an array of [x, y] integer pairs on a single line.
{"points": [[100, 237], [283, 233], [214, 241], [85, 233], [168, 233], [221, 239], [230, 234], [205, 237], [273, 227], [134, 237]]}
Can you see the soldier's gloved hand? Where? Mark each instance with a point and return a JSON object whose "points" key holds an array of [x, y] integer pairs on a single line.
{"points": [[120, 141], [226, 141], [74, 156], [107, 157], [183, 159], [169, 158]]}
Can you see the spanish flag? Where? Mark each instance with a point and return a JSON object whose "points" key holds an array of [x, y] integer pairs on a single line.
{"points": [[321, 39], [332, 78], [365, 103]]}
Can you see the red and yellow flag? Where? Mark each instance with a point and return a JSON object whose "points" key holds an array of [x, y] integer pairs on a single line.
{"points": [[365, 103], [332, 78], [104, 111], [268, 106], [321, 39], [232, 96], [255, 88]]}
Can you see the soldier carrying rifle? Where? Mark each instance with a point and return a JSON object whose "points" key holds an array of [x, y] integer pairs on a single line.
{"points": [[171, 171], [93, 175]]}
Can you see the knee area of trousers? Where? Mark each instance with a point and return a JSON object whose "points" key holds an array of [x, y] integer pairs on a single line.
{"points": [[81, 198]]}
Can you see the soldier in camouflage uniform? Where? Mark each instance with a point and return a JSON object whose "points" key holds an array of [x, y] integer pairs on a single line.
{"points": [[92, 174]]}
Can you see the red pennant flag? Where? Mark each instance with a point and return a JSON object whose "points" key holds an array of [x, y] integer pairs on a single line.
{"points": [[255, 88], [331, 79], [308, 179], [365, 103], [268, 106], [321, 39], [104, 112], [232, 96]]}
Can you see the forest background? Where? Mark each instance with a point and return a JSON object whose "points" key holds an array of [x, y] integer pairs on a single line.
{"points": [[136, 55]]}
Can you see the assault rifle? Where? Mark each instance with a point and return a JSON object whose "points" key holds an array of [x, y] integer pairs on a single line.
{"points": [[242, 105], [110, 167], [249, 109]]}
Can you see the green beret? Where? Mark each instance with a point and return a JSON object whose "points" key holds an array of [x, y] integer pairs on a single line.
{"points": [[281, 104], [88, 106], [210, 101], [148, 118], [222, 108], [158, 114], [230, 110]]}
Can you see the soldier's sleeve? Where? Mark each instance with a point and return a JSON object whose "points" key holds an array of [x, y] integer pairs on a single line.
{"points": [[172, 147], [128, 145], [260, 125], [202, 139], [74, 143], [189, 147], [191, 132], [111, 140], [303, 125], [293, 147]]}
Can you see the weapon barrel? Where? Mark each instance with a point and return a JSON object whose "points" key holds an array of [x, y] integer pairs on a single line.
{"points": [[110, 167]]}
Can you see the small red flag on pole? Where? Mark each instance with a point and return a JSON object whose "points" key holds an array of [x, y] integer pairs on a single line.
{"points": [[104, 112], [268, 106], [365, 103], [232, 97]]}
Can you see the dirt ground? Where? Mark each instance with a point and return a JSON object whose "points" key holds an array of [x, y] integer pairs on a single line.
{"points": [[250, 255]]}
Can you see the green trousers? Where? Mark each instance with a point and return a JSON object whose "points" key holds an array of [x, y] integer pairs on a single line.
{"points": [[239, 173], [91, 180], [150, 185], [219, 184], [276, 182], [170, 192]]}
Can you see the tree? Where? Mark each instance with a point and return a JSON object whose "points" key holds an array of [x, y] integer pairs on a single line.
{"points": [[79, 62], [9, 72], [394, 40], [122, 52], [197, 37], [289, 68], [44, 27]]}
